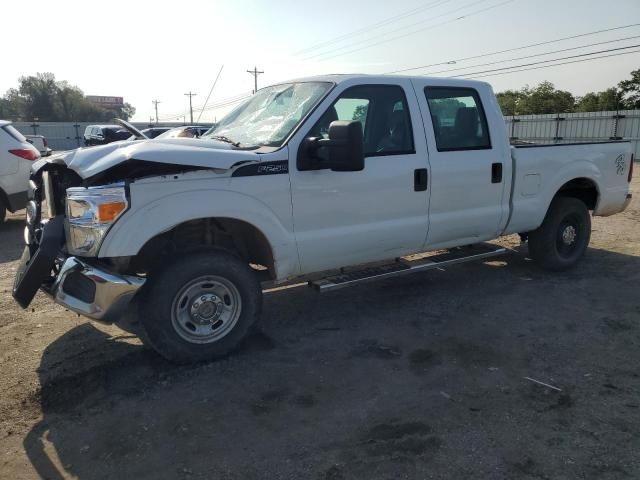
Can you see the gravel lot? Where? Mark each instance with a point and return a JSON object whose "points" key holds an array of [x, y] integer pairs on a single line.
{"points": [[414, 377]]}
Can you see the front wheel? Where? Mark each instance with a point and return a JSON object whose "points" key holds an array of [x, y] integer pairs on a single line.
{"points": [[564, 235], [200, 308]]}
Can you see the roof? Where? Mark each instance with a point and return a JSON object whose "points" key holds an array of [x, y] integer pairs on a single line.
{"points": [[4, 122], [344, 77]]}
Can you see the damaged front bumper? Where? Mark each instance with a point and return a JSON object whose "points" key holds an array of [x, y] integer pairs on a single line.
{"points": [[93, 292], [75, 284]]}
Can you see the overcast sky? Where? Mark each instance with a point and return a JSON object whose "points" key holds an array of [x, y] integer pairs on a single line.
{"points": [[145, 50]]}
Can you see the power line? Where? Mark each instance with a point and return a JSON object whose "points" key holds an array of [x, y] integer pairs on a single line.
{"points": [[556, 65], [368, 28], [429, 27], [532, 56], [545, 61], [220, 104], [255, 72], [531, 45], [365, 40], [210, 92]]}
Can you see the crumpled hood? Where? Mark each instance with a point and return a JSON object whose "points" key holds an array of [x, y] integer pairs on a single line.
{"points": [[195, 152]]}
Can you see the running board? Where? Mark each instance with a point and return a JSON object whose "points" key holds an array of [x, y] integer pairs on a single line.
{"points": [[404, 267]]}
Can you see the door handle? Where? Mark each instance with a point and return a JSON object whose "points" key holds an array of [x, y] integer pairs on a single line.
{"points": [[420, 179], [496, 173]]}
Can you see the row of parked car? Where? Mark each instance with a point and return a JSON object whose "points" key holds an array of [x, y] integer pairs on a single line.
{"points": [[18, 152], [103, 134]]}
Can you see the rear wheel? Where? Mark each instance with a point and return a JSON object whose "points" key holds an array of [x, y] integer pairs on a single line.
{"points": [[200, 308], [564, 235]]}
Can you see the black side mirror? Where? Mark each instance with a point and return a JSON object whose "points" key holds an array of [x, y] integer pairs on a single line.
{"points": [[344, 149]]}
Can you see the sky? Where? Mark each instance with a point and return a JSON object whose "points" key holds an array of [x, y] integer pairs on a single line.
{"points": [[159, 50]]}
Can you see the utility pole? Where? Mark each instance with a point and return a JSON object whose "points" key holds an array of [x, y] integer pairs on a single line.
{"points": [[155, 104], [255, 72], [190, 95]]}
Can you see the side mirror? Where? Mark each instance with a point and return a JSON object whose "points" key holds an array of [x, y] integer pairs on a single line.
{"points": [[344, 150]]}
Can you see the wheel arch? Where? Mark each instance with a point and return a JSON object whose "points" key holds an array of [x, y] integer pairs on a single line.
{"points": [[242, 215], [236, 236], [583, 188]]}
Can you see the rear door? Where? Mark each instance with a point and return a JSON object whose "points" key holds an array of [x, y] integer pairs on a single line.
{"points": [[470, 164]]}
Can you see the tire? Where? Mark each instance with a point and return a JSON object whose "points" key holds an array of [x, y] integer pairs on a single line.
{"points": [[199, 308], [3, 212], [564, 235]]}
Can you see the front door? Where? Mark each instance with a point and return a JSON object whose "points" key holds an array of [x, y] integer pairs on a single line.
{"points": [[345, 218]]}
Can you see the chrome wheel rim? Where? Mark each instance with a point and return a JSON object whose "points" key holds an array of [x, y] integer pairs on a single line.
{"points": [[206, 309]]}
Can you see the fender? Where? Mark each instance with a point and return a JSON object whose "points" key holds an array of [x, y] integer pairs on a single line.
{"points": [[138, 225], [531, 210]]}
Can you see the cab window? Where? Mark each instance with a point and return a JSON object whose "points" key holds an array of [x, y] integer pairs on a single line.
{"points": [[458, 119], [382, 111]]}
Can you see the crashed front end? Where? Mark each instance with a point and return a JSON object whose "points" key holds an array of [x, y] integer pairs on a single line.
{"points": [[66, 223]]}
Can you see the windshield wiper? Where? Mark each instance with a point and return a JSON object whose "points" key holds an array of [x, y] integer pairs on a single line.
{"points": [[222, 138]]}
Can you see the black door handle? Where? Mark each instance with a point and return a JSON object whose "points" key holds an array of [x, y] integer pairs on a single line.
{"points": [[420, 179], [496, 173]]}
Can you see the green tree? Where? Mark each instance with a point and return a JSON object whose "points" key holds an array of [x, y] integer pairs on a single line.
{"points": [[599, 101], [630, 90], [40, 95], [509, 101], [545, 98], [46, 99]]}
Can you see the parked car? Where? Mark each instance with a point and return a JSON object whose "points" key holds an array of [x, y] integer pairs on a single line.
{"points": [[187, 131], [301, 180], [41, 144], [103, 134], [152, 132], [16, 158]]}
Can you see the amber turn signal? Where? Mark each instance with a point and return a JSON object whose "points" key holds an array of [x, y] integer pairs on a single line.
{"points": [[108, 212]]}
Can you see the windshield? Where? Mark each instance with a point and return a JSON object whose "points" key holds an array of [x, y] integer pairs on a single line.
{"points": [[270, 115]]}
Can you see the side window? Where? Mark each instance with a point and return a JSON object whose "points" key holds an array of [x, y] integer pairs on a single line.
{"points": [[459, 122], [383, 113]]}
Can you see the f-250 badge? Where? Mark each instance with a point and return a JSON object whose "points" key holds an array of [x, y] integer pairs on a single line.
{"points": [[620, 164]]}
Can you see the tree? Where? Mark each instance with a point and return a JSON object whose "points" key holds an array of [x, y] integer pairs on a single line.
{"points": [[599, 101], [545, 99], [360, 113], [630, 90], [42, 97], [509, 101]]}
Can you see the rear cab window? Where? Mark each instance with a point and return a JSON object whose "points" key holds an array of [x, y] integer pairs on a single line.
{"points": [[459, 121]]}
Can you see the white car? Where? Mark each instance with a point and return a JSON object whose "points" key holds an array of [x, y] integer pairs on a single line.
{"points": [[40, 142], [16, 158], [336, 179]]}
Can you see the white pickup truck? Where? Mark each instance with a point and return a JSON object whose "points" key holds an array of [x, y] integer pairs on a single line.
{"points": [[334, 178]]}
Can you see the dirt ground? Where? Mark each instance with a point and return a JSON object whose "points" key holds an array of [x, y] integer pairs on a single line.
{"points": [[414, 377]]}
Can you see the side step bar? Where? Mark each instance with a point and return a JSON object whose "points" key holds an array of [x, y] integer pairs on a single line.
{"points": [[404, 267]]}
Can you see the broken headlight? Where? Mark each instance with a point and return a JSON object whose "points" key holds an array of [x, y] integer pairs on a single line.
{"points": [[90, 213]]}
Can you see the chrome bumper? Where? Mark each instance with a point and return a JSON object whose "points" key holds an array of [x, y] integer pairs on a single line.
{"points": [[93, 292]]}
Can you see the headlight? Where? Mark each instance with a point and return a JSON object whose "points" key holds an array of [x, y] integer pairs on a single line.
{"points": [[90, 213]]}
